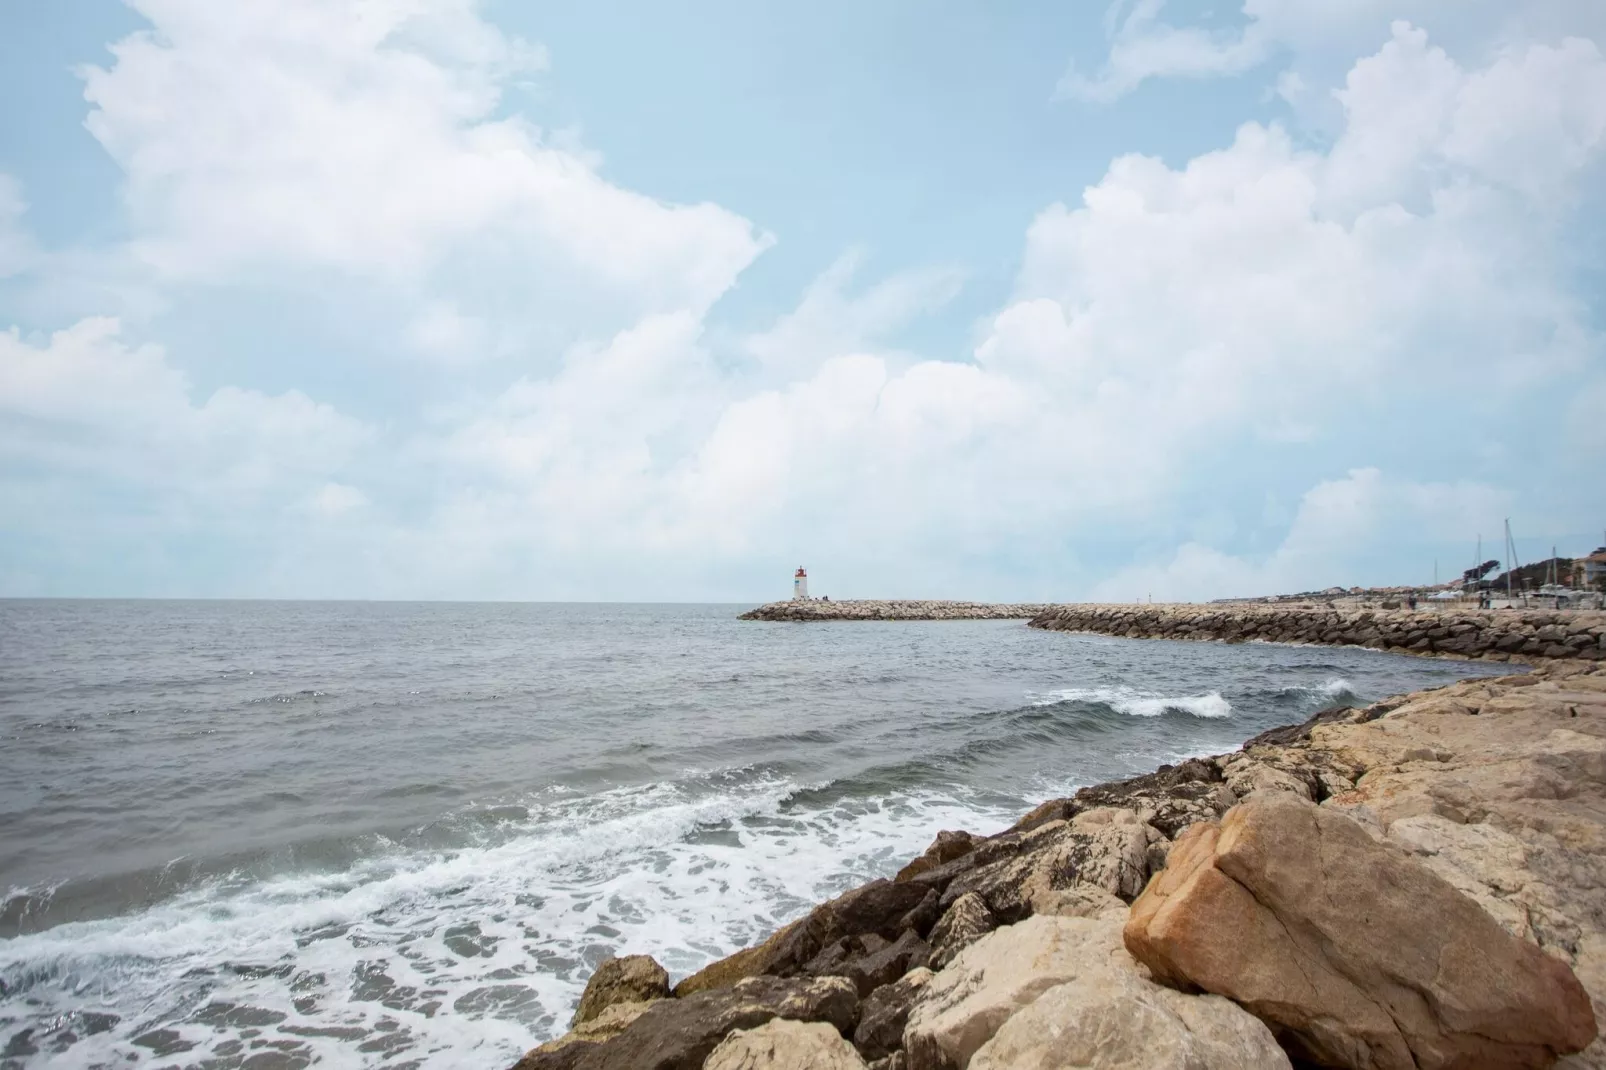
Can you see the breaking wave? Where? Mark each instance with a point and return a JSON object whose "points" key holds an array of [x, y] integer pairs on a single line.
{"points": [[461, 957], [1135, 703]]}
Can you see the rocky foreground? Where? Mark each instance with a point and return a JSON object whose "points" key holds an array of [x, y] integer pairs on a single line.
{"points": [[1420, 883], [1489, 635], [818, 609]]}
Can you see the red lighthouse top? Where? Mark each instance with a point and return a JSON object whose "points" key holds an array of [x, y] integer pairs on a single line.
{"points": [[799, 572]]}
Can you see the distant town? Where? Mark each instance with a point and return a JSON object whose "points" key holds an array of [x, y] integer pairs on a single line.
{"points": [[1554, 583]]}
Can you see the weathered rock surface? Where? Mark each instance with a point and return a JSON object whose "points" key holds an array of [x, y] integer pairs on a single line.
{"points": [[1359, 956], [883, 1016], [782, 1044], [966, 921], [964, 1005], [678, 1034], [947, 847], [1116, 1020], [1017, 875], [629, 979], [610, 1023], [1496, 635], [1058, 992]]}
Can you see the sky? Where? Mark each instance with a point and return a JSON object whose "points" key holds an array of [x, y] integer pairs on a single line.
{"points": [[445, 299]]}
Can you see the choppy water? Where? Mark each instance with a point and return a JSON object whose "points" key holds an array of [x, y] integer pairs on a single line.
{"points": [[370, 834]]}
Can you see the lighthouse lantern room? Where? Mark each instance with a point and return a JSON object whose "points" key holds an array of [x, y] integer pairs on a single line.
{"points": [[800, 585]]}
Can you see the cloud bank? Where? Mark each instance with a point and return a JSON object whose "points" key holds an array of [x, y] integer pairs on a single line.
{"points": [[1362, 311]]}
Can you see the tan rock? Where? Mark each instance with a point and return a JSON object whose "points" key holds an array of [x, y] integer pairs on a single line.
{"points": [[679, 1034], [610, 1023], [961, 1008], [965, 922], [748, 962], [1246, 776], [1104, 848], [1113, 850], [782, 1044], [1482, 862], [1115, 1020], [1589, 963], [1359, 956], [1077, 901], [629, 979]]}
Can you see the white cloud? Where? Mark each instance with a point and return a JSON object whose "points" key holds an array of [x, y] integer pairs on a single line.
{"points": [[1319, 40], [337, 499], [1348, 532], [830, 321], [368, 138], [85, 402], [1530, 122], [1143, 47], [1410, 282], [441, 332], [1261, 278], [1256, 298]]}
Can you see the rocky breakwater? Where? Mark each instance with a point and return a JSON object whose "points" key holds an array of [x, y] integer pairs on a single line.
{"points": [[1490, 635], [1417, 884], [878, 609]]}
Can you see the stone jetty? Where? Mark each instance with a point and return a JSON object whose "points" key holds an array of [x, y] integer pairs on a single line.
{"points": [[1490, 635], [895, 609], [1419, 884]]}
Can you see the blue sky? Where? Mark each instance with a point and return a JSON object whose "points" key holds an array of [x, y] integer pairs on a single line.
{"points": [[437, 299]]}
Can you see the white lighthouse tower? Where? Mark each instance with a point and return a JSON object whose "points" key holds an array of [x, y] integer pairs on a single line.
{"points": [[800, 585]]}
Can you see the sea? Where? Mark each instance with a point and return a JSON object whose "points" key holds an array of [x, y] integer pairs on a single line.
{"points": [[353, 834]]}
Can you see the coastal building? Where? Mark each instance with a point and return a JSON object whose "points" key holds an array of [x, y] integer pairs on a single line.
{"points": [[1590, 572], [800, 585]]}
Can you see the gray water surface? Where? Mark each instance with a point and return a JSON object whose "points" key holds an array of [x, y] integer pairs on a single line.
{"points": [[392, 834]]}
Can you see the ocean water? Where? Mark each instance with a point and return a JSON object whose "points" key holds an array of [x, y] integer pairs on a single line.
{"points": [[380, 834]]}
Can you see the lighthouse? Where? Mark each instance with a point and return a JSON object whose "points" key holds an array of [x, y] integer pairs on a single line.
{"points": [[800, 585]]}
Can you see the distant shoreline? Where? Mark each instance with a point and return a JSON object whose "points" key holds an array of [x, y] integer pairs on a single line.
{"points": [[1486, 635], [820, 609]]}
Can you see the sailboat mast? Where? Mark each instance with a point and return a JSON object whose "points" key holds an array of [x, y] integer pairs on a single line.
{"points": [[1510, 554]]}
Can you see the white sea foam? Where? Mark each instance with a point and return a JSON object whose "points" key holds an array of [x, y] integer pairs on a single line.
{"points": [[1333, 688], [1136, 703], [462, 958]]}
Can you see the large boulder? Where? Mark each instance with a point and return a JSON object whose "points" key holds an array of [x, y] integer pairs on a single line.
{"points": [[1115, 1020], [678, 1034], [629, 979], [961, 1008], [782, 1044], [1103, 848], [1355, 954], [1055, 992]]}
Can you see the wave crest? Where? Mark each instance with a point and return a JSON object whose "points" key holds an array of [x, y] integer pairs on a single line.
{"points": [[1135, 703]]}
